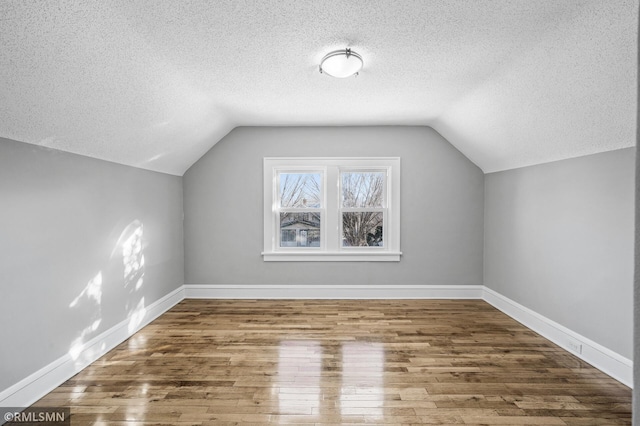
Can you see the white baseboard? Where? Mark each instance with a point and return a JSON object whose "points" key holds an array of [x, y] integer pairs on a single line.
{"points": [[605, 360], [38, 384], [241, 291], [30, 389]]}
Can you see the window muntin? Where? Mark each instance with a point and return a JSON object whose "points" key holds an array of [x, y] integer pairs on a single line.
{"points": [[331, 209]]}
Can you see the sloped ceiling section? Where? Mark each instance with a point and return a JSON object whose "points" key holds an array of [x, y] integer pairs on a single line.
{"points": [[155, 84]]}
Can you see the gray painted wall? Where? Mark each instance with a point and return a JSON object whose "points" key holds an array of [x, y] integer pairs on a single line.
{"points": [[559, 240], [63, 270], [441, 213], [636, 287], [636, 298]]}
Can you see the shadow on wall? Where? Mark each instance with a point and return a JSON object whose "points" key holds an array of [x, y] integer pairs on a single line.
{"points": [[127, 256]]}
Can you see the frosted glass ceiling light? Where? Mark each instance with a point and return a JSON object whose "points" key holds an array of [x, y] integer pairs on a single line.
{"points": [[341, 63]]}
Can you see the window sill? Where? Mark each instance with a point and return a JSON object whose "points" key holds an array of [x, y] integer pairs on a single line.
{"points": [[342, 256]]}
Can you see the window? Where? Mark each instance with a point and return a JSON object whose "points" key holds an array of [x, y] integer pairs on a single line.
{"points": [[331, 209]]}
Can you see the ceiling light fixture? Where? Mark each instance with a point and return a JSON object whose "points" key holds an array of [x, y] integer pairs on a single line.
{"points": [[341, 63]]}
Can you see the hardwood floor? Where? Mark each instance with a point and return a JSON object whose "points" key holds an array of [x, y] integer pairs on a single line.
{"points": [[218, 362]]}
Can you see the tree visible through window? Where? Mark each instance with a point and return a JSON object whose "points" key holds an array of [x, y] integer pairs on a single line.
{"points": [[362, 209], [299, 192]]}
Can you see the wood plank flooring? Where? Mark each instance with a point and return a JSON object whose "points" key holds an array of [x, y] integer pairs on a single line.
{"points": [[436, 362]]}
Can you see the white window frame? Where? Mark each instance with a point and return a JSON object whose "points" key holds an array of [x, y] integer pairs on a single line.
{"points": [[331, 209]]}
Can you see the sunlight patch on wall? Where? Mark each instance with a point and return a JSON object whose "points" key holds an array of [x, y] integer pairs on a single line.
{"points": [[134, 269], [88, 303], [133, 255], [93, 291], [89, 299]]}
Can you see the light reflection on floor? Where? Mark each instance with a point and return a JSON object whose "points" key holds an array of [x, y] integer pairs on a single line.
{"points": [[299, 371], [362, 390], [358, 366]]}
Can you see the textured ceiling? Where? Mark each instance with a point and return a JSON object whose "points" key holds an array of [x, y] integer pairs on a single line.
{"points": [[155, 84]]}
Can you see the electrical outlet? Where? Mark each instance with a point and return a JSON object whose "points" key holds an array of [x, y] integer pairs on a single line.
{"points": [[574, 346]]}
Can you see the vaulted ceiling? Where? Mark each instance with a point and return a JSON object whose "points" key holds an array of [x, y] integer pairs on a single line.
{"points": [[155, 84]]}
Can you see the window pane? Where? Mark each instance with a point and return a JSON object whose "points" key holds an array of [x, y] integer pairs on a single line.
{"points": [[362, 229], [362, 189], [299, 190], [300, 229], [288, 238]]}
